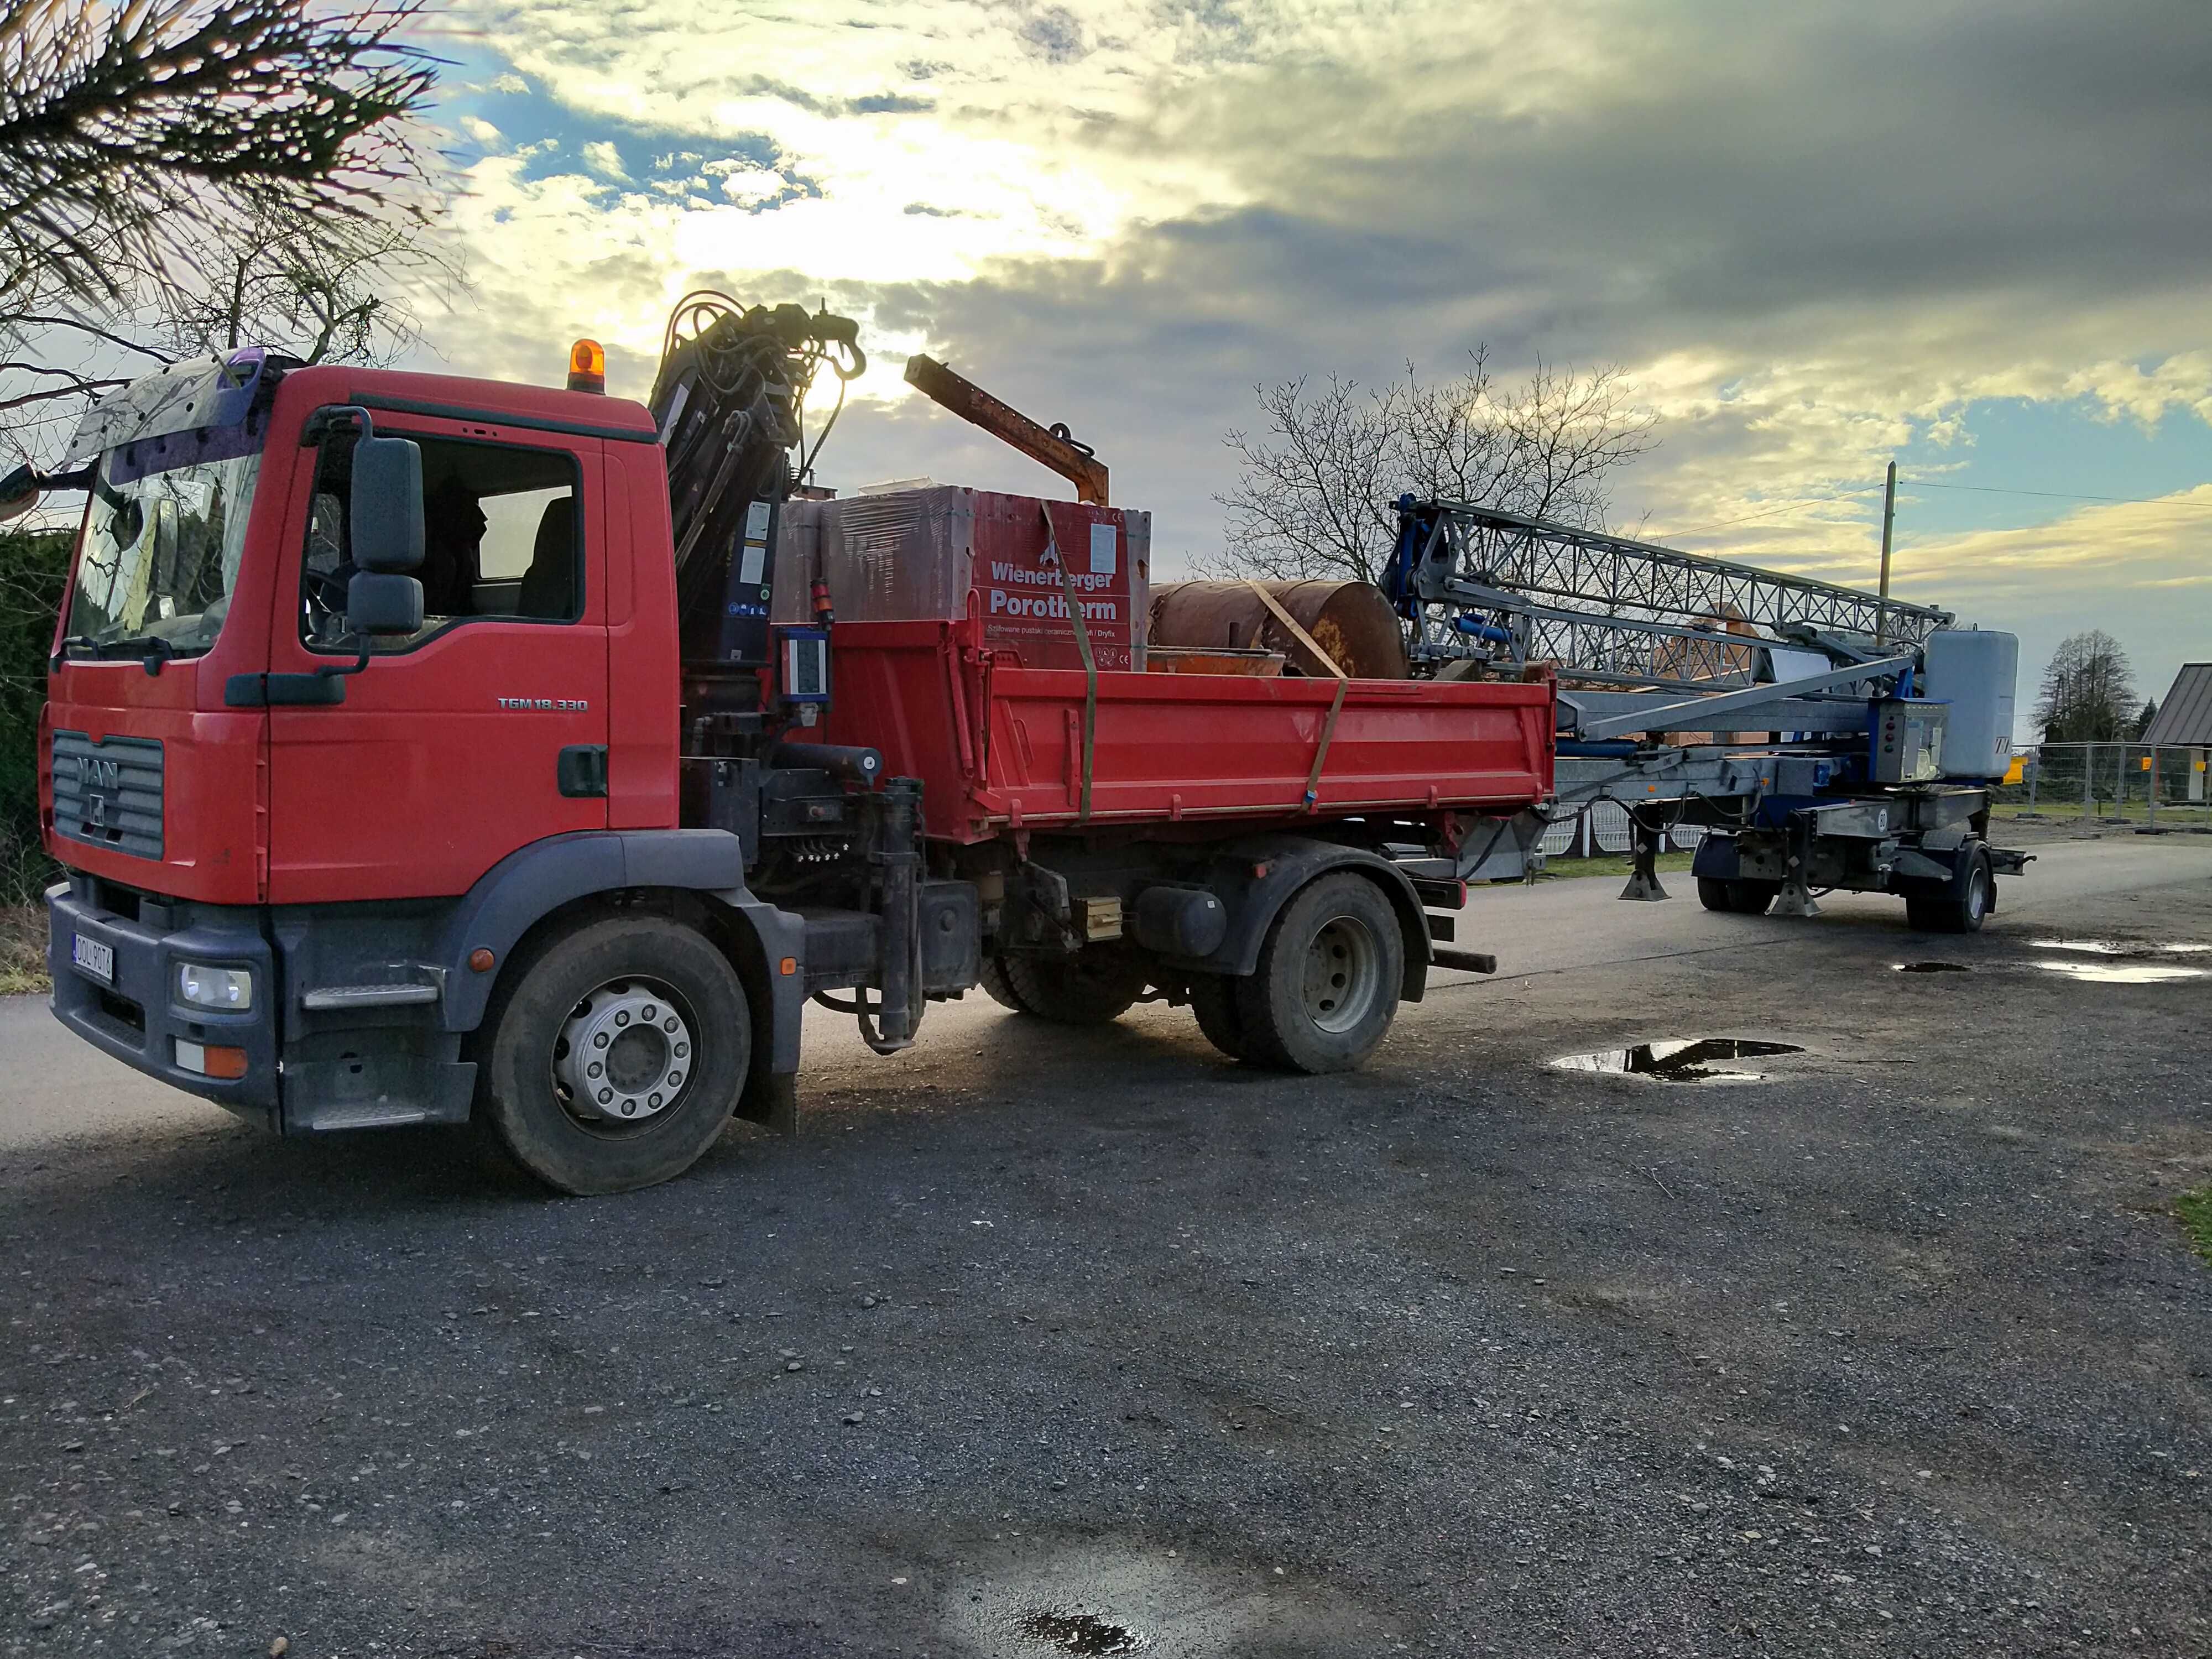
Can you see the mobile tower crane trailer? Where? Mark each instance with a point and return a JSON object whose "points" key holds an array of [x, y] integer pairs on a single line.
{"points": [[1827, 738], [423, 749]]}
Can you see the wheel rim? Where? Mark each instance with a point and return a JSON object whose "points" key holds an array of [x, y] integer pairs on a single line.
{"points": [[624, 1057], [1343, 974], [1977, 894]]}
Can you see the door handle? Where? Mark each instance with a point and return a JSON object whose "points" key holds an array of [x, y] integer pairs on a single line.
{"points": [[583, 770]]}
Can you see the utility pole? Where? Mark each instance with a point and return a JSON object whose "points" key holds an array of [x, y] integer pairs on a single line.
{"points": [[1889, 521]]}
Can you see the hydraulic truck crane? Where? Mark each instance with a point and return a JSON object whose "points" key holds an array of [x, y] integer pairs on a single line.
{"points": [[1827, 738], [428, 750]]}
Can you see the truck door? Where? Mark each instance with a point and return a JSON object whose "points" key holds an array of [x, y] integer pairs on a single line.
{"points": [[484, 731]]}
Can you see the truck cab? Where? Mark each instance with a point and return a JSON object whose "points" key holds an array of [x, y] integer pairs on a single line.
{"points": [[277, 850]]}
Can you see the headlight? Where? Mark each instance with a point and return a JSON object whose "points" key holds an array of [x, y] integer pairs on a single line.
{"points": [[227, 988]]}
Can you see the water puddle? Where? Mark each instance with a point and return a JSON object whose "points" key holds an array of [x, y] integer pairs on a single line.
{"points": [[1079, 1632], [1682, 1059], [2113, 973], [2108, 947], [1114, 1599], [1931, 968]]}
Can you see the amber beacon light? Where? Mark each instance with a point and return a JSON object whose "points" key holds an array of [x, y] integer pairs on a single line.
{"points": [[587, 367]]}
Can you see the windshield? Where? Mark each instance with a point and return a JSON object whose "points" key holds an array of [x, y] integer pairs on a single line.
{"points": [[161, 553]]}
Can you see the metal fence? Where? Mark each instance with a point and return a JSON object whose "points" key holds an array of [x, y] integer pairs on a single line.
{"points": [[2165, 787], [1602, 829]]}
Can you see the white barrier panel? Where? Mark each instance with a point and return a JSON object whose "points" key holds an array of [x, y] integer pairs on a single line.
{"points": [[1609, 825]]}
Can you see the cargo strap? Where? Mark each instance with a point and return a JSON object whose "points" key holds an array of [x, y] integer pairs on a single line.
{"points": [[1336, 707], [1090, 663]]}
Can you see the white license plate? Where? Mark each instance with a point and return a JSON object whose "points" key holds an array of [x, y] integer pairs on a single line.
{"points": [[95, 958]]}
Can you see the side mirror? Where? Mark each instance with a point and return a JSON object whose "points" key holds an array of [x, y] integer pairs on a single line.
{"points": [[19, 492], [381, 603], [387, 510]]}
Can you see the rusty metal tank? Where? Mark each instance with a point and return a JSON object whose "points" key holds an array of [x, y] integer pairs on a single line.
{"points": [[1351, 621]]}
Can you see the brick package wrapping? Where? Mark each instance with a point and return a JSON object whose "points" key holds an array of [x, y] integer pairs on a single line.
{"points": [[949, 551]]}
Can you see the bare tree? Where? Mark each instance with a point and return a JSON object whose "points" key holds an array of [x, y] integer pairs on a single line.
{"points": [[1314, 497], [127, 131], [2088, 693], [317, 291]]}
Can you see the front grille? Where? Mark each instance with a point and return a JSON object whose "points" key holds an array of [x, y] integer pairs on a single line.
{"points": [[109, 794]]}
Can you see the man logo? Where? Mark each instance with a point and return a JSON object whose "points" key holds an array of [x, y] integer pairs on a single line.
{"points": [[93, 775]]}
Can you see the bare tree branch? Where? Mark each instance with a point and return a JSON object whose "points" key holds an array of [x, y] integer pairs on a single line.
{"points": [[79, 386], [78, 325], [320, 290]]}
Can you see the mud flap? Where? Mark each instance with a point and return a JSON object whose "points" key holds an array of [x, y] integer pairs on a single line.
{"points": [[771, 1100]]}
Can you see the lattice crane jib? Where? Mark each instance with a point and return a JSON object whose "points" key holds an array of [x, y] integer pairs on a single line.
{"points": [[1499, 587]]}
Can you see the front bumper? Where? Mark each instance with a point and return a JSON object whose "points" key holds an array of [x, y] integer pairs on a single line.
{"points": [[137, 1018]]}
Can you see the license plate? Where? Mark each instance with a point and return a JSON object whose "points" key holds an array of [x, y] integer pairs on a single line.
{"points": [[95, 958]]}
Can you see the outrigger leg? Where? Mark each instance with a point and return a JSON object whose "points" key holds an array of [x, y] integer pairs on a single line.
{"points": [[1644, 879]]}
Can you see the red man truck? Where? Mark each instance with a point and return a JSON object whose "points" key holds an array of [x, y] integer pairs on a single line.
{"points": [[421, 749]]}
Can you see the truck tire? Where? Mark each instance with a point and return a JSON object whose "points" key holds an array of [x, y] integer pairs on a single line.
{"points": [[1751, 897], [1965, 905], [999, 988], [1213, 999], [1325, 989], [644, 1014], [1748, 898], [1085, 989]]}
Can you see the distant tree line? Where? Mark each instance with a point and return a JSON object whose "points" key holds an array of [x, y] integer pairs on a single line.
{"points": [[33, 565]]}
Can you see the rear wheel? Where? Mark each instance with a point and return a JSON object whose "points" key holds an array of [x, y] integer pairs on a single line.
{"points": [[1088, 989], [1001, 989], [613, 1058], [1748, 898], [1213, 999], [1751, 897], [1965, 905], [1326, 987]]}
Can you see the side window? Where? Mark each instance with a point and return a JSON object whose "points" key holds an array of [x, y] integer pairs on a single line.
{"points": [[502, 537]]}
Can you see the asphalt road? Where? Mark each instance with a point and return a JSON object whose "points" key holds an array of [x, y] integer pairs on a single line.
{"points": [[1038, 1342]]}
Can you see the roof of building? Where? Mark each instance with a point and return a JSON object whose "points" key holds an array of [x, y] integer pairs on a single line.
{"points": [[2186, 717]]}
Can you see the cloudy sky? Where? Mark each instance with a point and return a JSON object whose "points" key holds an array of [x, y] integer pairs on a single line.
{"points": [[1972, 235]]}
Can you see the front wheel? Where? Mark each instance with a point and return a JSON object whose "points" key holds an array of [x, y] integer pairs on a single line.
{"points": [[1326, 987], [613, 1058]]}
